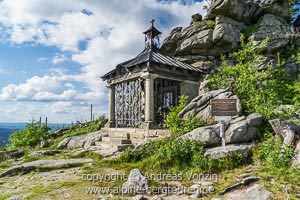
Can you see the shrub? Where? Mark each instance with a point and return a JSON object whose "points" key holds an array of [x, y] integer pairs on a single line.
{"points": [[296, 88], [32, 135], [174, 155], [210, 23], [247, 31], [270, 151], [80, 129], [260, 91], [177, 125]]}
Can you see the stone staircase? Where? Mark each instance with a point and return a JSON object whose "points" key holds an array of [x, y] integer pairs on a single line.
{"points": [[118, 139], [116, 144]]}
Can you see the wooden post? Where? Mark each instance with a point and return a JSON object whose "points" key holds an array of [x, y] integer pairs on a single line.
{"points": [[46, 121], [91, 112]]}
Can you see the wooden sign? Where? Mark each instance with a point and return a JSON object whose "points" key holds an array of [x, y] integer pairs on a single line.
{"points": [[224, 107]]}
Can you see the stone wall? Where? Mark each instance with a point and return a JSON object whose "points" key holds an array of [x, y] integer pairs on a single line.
{"points": [[189, 89]]}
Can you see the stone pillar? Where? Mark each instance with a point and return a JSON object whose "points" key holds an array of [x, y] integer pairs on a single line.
{"points": [[111, 116], [149, 104]]}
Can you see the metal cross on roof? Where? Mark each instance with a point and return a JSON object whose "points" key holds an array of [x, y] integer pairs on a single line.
{"points": [[152, 22]]}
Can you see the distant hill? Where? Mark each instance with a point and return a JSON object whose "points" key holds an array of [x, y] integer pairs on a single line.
{"points": [[4, 134]]}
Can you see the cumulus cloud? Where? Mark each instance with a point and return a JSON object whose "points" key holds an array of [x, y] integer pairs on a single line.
{"points": [[59, 58], [95, 34]]}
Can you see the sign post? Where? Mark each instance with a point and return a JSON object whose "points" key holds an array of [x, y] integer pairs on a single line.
{"points": [[222, 110]]}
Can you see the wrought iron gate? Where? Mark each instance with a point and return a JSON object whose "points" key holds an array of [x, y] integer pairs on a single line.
{"points": [[129, 103], [166, 94]]}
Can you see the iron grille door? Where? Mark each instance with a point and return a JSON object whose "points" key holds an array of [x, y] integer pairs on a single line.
{"points": [[166, 94], [129, 103]]}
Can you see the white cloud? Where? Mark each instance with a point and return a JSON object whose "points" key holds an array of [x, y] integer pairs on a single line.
{"points": [[59, 58], [4, 71], [57, 112], [41, 59], [112, 34]]}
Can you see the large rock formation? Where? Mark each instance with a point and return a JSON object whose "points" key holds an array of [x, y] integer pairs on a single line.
{"points": [[219, 33], [274, 28], [227, 32], [244, 11], [205, 38], [279, 8]]}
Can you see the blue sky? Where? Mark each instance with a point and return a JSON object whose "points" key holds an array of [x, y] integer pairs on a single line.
{"points": [[53, 52]]}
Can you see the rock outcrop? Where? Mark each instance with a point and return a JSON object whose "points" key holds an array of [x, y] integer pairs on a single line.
{"points": [[227, 32], [200, 106], [219, 32], [244, 11], [208, 135], [255, 192], [136, 182], [27, 167], [296, 161], [239, 130], [205, 38], [274, 28], [81, 141], [289, 132], [228, 151], [4, 155], [43, 153], [279, 8]]}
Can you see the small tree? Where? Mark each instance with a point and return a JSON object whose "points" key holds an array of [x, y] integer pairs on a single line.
{"points": [[32, 135], [177, 125], [260, 91]]}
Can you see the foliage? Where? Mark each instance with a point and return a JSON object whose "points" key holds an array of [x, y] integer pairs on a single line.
{"points": [[170, 154], [270, 151], [248, 30], [210, 23], [296, 88], [177, 125], [80, 129], [32, 135], [260, 91]]}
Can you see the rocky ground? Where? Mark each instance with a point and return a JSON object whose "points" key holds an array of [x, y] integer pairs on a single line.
{"points": [[69, 175]]}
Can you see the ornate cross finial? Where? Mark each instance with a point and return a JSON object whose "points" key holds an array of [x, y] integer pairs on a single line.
{"points": [[152, 22]]}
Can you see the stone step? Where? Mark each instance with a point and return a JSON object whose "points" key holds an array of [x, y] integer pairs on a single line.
{"points": [[119, 134], [113, 147], [110, 140], [122, 147], [128, 130], [101, 145], [119, 141], [106, 140]]}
